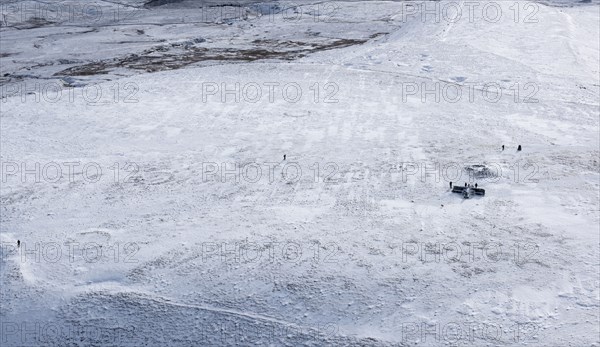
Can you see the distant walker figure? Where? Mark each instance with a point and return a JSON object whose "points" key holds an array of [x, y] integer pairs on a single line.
{"points": [[519, 148], [503, 147], [475, 185], [18, 243], [465, 184], [284, 156]]}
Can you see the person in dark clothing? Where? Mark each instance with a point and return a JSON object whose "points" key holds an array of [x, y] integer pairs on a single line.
{"points": [[284, 156], [18, 243], [450, 184], [502, 147], [475, 185], [465, 184], [519, 148]]}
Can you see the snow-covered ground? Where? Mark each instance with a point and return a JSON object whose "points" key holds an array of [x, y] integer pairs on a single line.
{"points": [[142, 156]]}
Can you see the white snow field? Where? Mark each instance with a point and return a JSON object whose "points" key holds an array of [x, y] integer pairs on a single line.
{"points": [[143, 173]]}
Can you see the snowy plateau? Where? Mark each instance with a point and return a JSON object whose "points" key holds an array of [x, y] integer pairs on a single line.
{"points": [[277, 173]]}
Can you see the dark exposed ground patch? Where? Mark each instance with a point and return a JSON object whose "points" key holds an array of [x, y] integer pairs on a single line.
{"points": [[161, 58], [32, 23], [156, 3], [209, 3]]}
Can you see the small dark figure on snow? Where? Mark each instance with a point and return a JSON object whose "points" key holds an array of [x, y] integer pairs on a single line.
{"points": [[18, 243], [450, 184], [475, 185], [284, 156], [519, 148], [465, 184], [502, 147]]}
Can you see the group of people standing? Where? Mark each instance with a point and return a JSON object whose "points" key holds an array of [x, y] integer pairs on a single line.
{"points": [[467, 185]]}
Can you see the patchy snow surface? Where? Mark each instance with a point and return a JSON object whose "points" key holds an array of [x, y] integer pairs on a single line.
{"points": [[355, 239]]}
